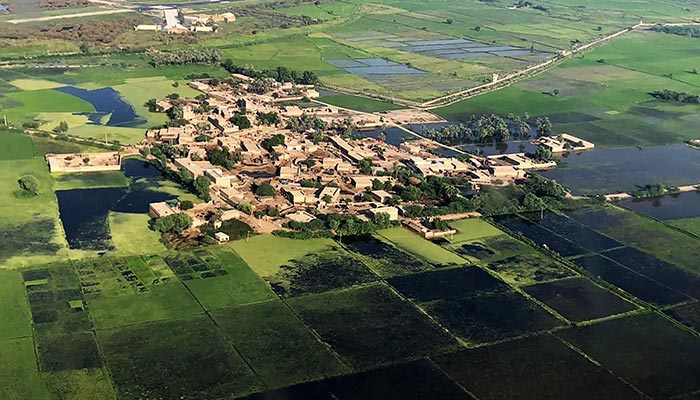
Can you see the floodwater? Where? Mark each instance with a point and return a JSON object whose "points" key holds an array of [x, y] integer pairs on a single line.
{"points": [[624, 170], [84, 212], [488, 148], [394, 136], [683, 205], [106, 101]]}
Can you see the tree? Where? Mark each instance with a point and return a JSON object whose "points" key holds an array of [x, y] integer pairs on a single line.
{"points": [[440, 225], [328, 199], [265, 189], [365, 166], [29, 185], [241, 121], [84, 48], [555, 92], [543, 153], [201, 187], [175, 223], [61, 128], [544, 126], [449, 21], [186, 204], [152, 105], [86, 160]]}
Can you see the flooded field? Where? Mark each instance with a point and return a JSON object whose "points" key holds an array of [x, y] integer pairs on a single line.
{"points": [[604, 171], [107, 102], [683, 205], [84, 212]]}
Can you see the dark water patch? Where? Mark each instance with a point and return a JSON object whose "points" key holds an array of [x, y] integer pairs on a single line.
{"points": [[603, 171], [84, 216], [371, 326], [394, 136], [447, 284], [683, 205], [185, 359], [582, 235], [385, 259], [384, 70], [661, 368], [106, 101], [529, 268], [629, 281], [657, 270], [495, 148], [418, 380], [541, 236], [84, 212], [317, 273], [475, 250], [579, 299], [482, 319], [540, 368], [688, 315]]}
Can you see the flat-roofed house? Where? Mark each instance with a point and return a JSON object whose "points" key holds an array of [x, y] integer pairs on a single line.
{"points": [[333, 194], [381, 196], [393, 212], [160, 209]]}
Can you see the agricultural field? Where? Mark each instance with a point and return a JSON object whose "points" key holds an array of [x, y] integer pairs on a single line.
{"points": [[603, 95]]}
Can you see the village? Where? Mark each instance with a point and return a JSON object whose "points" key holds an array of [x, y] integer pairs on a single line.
{"points": [[255, 148]]}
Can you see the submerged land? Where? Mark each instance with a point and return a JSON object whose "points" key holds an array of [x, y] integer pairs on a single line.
{"points": [[349, 199]]}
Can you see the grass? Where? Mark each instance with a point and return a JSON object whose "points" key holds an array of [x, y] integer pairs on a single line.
{"points": [[89, 180], [256, 251], [604, 94], [94, 383], [131, 235], [35, 84], [15, 320], [691, 225], [359, 103], [471, 228], [19, 377], [241, 285], [162, 302], [414, 244], [15, 146]]}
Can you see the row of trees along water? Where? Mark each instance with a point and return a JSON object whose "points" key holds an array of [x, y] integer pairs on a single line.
{"points": [[488, 128]]}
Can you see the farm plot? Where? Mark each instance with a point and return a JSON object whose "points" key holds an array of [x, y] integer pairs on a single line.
{"points": [[521, 368], [19, 377], [185, 359], [370, 326], [472, 228], [279, 347], [15, 146], [609, 87], [412, 243], [661, 368], [688, 315], [448, 284], [487, 318], [540, 236], [15, 319], [133, 290], [579, 299], [583, 236], [490, 248], [383, 258], [631, 282], [410, 381], [528, 268], [238, 287], [651, 236], [320, 272], [658, 270]]}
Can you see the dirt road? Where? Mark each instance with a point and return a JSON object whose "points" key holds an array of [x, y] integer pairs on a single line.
{"points": [[65, 16]]}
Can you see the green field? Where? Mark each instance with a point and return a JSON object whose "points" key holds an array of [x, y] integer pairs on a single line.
{"points": [[604, 94], [470, 229], [131, 235], [412, 243]]}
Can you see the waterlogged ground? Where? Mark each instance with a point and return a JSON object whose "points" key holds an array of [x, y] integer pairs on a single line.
{"points": [[485, 315]]}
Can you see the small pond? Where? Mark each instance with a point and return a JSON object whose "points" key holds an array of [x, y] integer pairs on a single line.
{"points": [[84, 212], [106, 101]]}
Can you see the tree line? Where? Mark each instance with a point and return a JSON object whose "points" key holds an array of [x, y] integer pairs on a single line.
{"points": [[678, 30], [681, 97], [280, 74], [485, 128], [204, 55]]}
